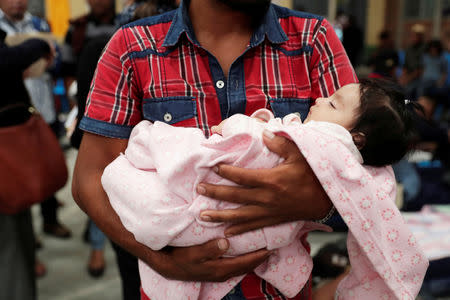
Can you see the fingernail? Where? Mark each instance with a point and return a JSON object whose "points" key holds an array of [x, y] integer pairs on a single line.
{"points": [[268, 134], [229, 234], [216, 169], [205, 217], [223, 244], [201, 189]]}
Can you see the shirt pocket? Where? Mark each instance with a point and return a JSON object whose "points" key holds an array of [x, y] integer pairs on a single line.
{"points": [[171, 110], [284, 106]]}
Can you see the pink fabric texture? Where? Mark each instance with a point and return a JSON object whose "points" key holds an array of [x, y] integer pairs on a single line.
{"points": [[152, 189]]}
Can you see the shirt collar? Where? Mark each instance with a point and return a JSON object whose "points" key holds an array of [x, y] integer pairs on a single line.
{"points": [[271, 28], [181, 23]]}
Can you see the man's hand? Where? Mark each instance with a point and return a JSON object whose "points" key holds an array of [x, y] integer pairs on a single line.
{"points": [[204, 262], [288, 192]]}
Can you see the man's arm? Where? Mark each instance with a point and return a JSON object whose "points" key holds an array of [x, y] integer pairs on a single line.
{"points": [[198, 263]]}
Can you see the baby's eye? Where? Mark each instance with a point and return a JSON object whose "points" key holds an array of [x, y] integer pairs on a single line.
{"points": [[332, 105]]}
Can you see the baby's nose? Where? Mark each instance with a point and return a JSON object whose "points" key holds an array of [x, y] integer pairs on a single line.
{"points": [[319, 100]]}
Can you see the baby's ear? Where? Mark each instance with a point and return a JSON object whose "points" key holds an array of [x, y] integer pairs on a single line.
{"points": [[359, 139]]}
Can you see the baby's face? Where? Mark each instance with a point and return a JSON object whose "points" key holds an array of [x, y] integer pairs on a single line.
{"points": [[340, 108]]}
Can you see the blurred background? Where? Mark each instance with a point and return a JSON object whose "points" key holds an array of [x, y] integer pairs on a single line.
{"points": [[404, 40]]}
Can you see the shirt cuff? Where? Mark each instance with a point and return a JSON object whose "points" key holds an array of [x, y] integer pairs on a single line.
{"points": [[105, 129]]}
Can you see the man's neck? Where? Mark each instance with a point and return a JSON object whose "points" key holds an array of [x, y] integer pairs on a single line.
{"points": [[211, 17]]}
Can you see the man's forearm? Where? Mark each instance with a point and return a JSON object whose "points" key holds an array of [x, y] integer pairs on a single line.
{"points": [[92, 199], [95, 154]]}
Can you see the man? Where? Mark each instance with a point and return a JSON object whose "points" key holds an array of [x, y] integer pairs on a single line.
{"points": [[384, 61], [128, 14], [100, 22], [196, 66], [14, 19], [413, 67]]}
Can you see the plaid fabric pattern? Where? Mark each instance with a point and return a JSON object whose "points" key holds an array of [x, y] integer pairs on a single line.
{"points": [[155, 69]]}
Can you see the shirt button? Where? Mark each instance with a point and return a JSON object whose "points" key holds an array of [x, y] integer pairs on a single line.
{"points": [[167, 117], [220, 84]]}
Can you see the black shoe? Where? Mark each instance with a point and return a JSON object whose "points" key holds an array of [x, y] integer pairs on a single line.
{"points": [[57, 230], [96, 273], [96, 264]]}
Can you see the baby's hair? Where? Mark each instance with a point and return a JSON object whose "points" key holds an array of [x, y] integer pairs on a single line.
{"points": [[385, 121]]}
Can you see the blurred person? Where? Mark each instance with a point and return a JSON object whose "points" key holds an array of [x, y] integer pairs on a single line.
{"points": [[413, 66], [17, 247], [434, 138], [433, 81], [126, 15], [144, 8], [170, 62], [99, 22], [338, 25], [384, 61], [447, 56], [14, 19], [87, 62], [352, 39], [84, 41]]}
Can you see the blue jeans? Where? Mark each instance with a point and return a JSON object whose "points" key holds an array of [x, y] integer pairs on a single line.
{"points": [[96, 237], [235, 294], [406, 174]]}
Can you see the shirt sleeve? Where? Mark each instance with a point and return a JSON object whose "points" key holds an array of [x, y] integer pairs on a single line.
{"points": [[113, 105], [330, 66]]}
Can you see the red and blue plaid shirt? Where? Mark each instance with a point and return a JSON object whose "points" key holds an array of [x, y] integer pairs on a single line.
{"points": [[155, 69]]}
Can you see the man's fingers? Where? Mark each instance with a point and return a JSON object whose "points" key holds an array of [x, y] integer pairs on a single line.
{"points": [[240, 265], [250, 226], [281, 145], [234, 194], [242, 214], [210, 250], [242, 176]]}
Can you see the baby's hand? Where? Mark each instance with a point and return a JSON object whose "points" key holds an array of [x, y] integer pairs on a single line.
{"points": [[218, 129], [260, 118]]}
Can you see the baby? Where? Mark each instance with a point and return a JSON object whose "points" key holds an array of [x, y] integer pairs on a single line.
{"points": [[152, 189]]}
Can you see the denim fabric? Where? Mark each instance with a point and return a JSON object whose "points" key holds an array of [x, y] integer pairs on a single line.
{"points": [[177, 108], [235, 294], [406, 174], [96, 236], [284, 106]]}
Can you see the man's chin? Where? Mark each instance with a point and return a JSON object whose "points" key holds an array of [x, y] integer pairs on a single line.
{"points": [[254, 8]]}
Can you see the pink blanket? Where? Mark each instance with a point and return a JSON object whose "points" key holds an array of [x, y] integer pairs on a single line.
{"points": [[152, 188]]}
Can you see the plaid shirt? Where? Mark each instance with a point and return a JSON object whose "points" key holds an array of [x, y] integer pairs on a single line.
{"points": [[155, 69]]}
